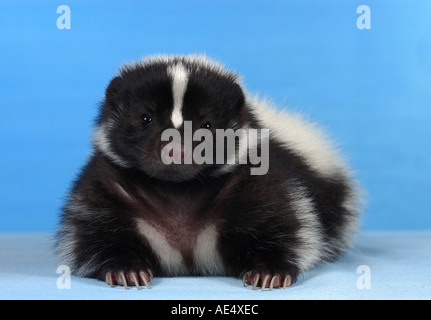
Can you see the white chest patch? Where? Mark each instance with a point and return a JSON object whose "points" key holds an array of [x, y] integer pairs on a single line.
{"points": [[201, 247], [169, 257], [206, 254]]}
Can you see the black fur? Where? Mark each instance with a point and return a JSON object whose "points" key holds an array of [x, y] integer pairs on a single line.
{"points": [[259, 226]]}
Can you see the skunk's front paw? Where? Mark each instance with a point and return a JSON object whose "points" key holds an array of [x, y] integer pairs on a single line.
{"points": [[266, 279], [129, 278]]}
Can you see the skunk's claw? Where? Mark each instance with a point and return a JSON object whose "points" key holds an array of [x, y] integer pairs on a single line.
{"points": [[267, 280], [129, 278]]}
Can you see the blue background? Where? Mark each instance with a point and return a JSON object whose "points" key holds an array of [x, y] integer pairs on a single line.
{"points": [[370, 88]]}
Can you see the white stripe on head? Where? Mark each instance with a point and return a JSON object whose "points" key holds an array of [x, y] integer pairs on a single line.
{"points": [[179, 76]]}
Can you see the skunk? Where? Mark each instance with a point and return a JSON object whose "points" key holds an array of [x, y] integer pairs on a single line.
{"points": [[147, 205]]}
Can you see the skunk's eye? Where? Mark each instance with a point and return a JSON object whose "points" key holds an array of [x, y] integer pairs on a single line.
{"points": [[146, 119], [206, 125]]}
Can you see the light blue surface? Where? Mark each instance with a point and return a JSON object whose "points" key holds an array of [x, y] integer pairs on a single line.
{"points": [[399, 267], [371, 88]]}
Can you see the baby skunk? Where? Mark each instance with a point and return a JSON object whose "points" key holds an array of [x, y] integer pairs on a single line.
{"points": [[129, 216]]}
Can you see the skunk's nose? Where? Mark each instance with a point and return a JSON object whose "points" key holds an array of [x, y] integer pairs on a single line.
{"points": [[174, 152]]}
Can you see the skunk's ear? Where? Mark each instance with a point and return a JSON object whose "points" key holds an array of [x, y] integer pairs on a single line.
{"points": [[113, 91], [112, 99], [236, 98]]}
